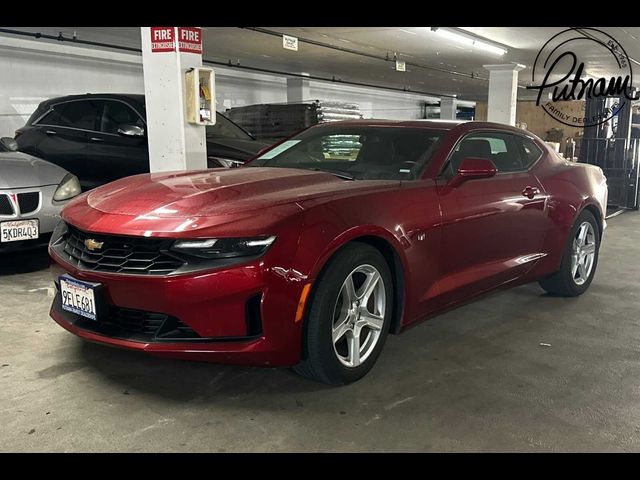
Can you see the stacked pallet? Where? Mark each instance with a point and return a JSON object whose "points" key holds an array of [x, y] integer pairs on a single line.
{"points": [[278, 120]]}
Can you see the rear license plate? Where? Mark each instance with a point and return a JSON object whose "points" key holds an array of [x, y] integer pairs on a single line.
{"points": [[78, 297], [16, 230]]}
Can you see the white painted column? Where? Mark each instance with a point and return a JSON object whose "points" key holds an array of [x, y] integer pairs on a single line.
{"points": [[503, 92], [174, 144], [298, 89], [448, 108]]}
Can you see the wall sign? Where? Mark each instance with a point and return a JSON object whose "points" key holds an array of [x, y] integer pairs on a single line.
{"points": [[290, 43], [190, 40], [162, 39], [401, 66]]}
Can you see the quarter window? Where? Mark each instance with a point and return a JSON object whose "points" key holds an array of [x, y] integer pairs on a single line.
{"points": [[80, 114], [508, 152]]}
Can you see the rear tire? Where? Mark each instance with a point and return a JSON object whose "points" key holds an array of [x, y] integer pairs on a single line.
{"points": [[579, 260], [348, 317]]}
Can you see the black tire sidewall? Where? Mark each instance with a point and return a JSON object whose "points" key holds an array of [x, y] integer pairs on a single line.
{"points": [[319, 343]]}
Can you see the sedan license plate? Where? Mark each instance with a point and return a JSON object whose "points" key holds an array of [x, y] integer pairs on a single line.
{"points": [[78, 297], [16, 230]]}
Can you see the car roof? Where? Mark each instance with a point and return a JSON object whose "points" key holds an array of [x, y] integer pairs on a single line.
{"points": [[430, 124], [131, 97]]}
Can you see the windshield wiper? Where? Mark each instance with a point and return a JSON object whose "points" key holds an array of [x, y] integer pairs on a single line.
{"points": [[337, 173]]}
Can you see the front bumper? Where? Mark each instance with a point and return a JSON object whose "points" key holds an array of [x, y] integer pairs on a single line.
{"points": [[47, 213], [213, 304]]}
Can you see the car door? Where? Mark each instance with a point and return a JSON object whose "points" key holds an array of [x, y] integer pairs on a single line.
{"points": [[62, 135], [117, 148], [492, 228]]}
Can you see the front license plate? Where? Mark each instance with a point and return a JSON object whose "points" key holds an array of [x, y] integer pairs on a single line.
{"points": [[17, 230], [78, 297]]}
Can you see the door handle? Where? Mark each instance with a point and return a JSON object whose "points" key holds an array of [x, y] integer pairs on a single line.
{"points": [[530, 192], [50, 132], [96, 139]]}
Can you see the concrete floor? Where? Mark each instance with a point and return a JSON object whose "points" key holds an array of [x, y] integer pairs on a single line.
{"points": [[475, 379]]}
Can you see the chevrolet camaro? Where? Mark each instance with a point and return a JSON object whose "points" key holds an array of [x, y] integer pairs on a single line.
{"points": [[313, 252]]}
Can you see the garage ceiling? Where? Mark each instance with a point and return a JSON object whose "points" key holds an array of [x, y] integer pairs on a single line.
{"points": [[445, 67]]}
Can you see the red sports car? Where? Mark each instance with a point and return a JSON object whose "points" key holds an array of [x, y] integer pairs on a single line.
{"points": [[313, 252]]}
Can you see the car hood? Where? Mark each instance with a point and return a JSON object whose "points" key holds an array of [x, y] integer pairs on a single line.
{"points": [[218, 192], [233, 148], [19, 170]]}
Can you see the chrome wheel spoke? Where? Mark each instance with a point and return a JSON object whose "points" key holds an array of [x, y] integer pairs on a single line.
{"points": [[349, 290], [368, 286], [371, 320], [582, 233], [340, 330], [589, 249], [353, 343], [582, 270]]}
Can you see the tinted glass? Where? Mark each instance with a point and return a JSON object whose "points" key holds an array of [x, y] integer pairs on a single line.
{"points": [[115, 114], [503, 149], [226, 128], [359, 152], [531, 152], [80, 114]]}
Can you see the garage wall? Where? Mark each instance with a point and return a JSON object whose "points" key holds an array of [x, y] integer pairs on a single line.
{"points": [[32, 71]]}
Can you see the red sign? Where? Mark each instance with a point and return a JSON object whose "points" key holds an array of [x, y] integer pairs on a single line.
{"points": [[162, 39], [190, 40]]}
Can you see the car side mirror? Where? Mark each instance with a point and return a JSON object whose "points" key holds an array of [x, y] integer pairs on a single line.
{"points": [[131, 130], [472, 167], [8, 144]]}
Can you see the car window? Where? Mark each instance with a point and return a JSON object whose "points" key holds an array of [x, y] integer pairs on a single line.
{"points": [[361, 152], [531, 152], [116, 113], [81, 114], [503, 149], [226, 128]]}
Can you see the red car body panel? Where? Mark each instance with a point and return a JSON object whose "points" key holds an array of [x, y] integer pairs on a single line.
{"points": [[446, 245]]}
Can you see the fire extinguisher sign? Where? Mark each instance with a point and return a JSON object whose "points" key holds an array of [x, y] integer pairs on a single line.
{"points": [[163, 39], [190, 40]]}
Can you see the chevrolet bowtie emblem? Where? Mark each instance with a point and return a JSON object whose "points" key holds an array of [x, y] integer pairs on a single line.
{"points": [[92, 244]]}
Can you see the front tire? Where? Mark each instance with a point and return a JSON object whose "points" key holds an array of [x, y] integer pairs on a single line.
{"points": [[579, 260], [349, 316]]}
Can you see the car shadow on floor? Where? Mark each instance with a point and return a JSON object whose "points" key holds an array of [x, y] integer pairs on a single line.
{"points": [[24, 262], [183, 380]]}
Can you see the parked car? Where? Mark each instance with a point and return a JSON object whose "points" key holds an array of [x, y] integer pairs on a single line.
{"points": [[32, 193], [310, 254], [101, 137]]}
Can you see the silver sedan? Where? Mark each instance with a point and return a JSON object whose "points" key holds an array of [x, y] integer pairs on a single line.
{"points": [[32, 193]]}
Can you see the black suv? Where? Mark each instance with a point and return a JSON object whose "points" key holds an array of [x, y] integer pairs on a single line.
{"points": [[102, 137]]}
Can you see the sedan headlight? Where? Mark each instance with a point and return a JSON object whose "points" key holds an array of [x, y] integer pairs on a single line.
{"points": [[226, 162], [69, 187], [213, 248]]}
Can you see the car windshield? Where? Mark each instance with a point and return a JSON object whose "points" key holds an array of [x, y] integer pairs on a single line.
{"points": [[227, 129], [356, 152]]}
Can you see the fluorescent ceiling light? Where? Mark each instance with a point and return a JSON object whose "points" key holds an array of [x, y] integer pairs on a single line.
{"points": [[470, 41]]}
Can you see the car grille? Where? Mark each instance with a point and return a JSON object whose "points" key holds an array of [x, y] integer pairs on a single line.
{"points": [[157, 325], [129, 255], [5, 205], [28, 202]]}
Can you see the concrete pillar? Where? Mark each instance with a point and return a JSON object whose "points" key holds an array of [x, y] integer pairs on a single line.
{"points": [[448, 108], [503, 92], [174, 144], [298, 89]]}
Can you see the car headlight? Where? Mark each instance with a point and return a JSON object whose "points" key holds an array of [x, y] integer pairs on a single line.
{"points": [[223, 247], [226, 162], [69, 187]]}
